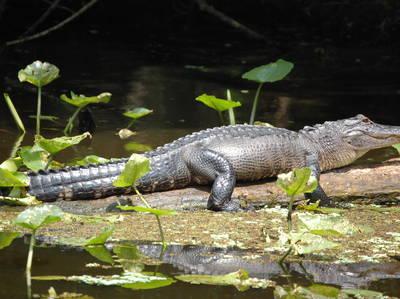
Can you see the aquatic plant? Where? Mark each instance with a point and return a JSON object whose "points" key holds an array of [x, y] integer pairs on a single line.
{"points": [[14, 113], [219, 105], [81, 101], [136, 114], [271, 72], [39, 74]]}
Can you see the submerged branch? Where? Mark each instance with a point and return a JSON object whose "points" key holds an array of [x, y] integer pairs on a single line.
{"points": [[53, 28], [204, 6]]}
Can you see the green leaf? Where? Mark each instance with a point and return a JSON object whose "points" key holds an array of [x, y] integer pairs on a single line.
{"points": [[12, 179], [397, 147], [126, 133], [324, 290], [14, 113], [39, 73], [100, 252], [217, 104], [6, 238], [91, 159], [297, 182], [365, 294], [101, 238], [20, 201], [33, 218], [82, 100], [326, 232], [135, 168], [306, 243], [137, 147], [159, 212], [58, 144], [326, 223], [127, 251], [271, 72], [11, 164], [33, 158], [137, 112], [233, 278]]}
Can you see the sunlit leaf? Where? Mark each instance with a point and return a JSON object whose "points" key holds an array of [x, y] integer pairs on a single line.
{"points": [[58, 144], [271, 72], [127, 251], [126, 133], [217, 104], [332, 222], [306, 243], [101, 238], [135, 168], [6, 238], [82, 100], [326, 232], [91, 159], [137, 112], [12, 179], [324, 290], [100, 252], [397, 147], [137, 147], [35, 217], [297, 181], [39, 73], [263, 124], [11, 164], [159, 212], [32, 158]]}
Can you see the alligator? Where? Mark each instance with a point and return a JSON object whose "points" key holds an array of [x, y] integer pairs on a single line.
{"points": [[223, 155]]}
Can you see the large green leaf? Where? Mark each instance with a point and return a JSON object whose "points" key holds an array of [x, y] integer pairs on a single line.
{"points": [[35, 217], [11, 164], [159, 212], [217, 104], [58, 144], [6, 238], [100, 252], [137, 147], [82, 100], [271, 72], [137, 112], [135, 168], [91, 159], [99, 239], [39, 73], [306, 243], [12, 179], [321, 224], [127, 251], [297, 181], [33, 158]]}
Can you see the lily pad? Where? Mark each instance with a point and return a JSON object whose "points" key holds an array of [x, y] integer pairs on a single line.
{"points": [[217, 104], [58, 144], [126, 133], [34, 218], [271, 72], [82, 100], [135, 168], [159, 212], [100, 239], [137, 112], [297, 182], [6, 238], [137, 147], [39, 73], [33, 158]]}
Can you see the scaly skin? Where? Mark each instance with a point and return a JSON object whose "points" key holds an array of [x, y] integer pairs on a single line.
{"points": [[222, 155]]}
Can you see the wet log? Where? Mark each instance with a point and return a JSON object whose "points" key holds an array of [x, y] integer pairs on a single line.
{"points": [[374, 183]]}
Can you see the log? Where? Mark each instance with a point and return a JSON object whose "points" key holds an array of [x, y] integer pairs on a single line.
{"points": [[374, 183]]}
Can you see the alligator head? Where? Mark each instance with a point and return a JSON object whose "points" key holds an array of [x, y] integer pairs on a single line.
{"points": [[363, 134]]}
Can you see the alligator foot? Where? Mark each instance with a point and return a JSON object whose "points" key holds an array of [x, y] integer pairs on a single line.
{"points": [[234, 205], [319, 194]]}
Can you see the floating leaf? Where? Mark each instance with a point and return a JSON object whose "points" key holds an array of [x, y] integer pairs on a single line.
{"points": [[297, 181], [12, 179], [126, 133], [217, 104], [33, 158], [91, 159], [271, 72], [100, 252], [20, 201], [319, 222], [35, 217], [135, 168], [358, 293], [137, 112], [306, 243], [58, 144], [39, 73], [82, 100], [324, 290], [159, 212], [6, 238], [137, 147]]}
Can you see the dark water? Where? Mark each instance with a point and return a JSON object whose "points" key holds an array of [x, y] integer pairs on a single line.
{"points": [[178, 260]]}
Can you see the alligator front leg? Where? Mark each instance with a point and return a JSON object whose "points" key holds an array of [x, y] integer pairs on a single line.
{"points": [[318, 193], [207, 166]]}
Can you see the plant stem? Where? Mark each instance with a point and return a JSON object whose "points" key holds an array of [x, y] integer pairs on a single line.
{"points": [[39, 108], [14, 112], [164, 244], [221, 118], [232, 120], [289, 215], [17, 145], [69, 126], [282, 259], [50, 159], [29, 264], [255, 102], [130, 123]]}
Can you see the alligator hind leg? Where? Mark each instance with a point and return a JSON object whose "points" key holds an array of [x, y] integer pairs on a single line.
{"points": [[209, 166], [318, 193]]}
